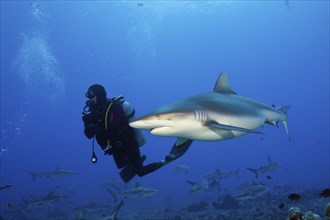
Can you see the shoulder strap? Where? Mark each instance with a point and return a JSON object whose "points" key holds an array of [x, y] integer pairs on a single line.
{"points": [[108, 109], [107, 112]]}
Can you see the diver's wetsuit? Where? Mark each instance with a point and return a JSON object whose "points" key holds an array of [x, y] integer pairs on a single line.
{"points": [[119, 135]]}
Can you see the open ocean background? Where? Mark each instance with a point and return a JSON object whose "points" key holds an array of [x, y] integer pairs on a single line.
{"points": [[154, 53]]}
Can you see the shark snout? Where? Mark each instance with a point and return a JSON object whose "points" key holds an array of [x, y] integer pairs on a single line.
{"points": [[142, 124], [137, 124]]}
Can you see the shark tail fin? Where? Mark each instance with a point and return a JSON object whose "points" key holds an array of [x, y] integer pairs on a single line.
{"points": [[114, 212], [33, 176], [237, 173], [113, 194], [287, 129], [254, 171], [284, 109]]}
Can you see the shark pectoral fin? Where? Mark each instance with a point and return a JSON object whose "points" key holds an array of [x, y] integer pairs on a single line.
{"points": [[190, 182], [230, 127]]}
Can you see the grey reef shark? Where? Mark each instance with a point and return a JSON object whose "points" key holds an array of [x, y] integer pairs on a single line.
{"points": [[213, 116]]}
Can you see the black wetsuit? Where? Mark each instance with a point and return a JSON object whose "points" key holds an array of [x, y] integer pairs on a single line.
{"points": [[119, 135]]}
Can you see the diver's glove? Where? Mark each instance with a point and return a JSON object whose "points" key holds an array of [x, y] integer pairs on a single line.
{"points": [[88, 118], [90, 121], [90, 125]]}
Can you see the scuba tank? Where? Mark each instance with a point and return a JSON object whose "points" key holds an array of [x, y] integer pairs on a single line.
{"points": [[130, 113]]}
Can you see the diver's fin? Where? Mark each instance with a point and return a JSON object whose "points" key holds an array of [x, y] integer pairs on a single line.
{"points": [[178, 150], [180, 141], [215, 124]]}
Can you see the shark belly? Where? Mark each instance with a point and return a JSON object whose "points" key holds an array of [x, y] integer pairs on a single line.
{"points": [[216, 134], [197, 130]]}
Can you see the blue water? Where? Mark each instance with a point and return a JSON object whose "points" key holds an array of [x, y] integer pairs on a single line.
{"points": [[154, 54]]}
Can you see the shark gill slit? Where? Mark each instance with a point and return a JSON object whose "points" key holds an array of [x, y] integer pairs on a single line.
{"points": [[200, 115]]}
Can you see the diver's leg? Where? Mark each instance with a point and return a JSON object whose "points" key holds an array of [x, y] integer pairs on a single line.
{"points": [[119, 157], [135, 163], [129, 171], [149, 168], [176, 152]]}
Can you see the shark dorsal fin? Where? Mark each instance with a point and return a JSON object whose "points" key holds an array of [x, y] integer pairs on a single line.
{"points": [[222, 84]]}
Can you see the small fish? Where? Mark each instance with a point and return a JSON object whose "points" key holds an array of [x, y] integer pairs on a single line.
{"points": [[325, 193], [34, 4], [294, 197], [269, 177], [140, 4], [281, 206]]}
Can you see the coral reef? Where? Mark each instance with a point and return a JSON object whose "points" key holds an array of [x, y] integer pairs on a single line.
{"points": [[197, 206], [295, 214], [311, 216], [327, 211], [228, 202]]}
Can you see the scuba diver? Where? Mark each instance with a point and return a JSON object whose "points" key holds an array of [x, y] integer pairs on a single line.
{"points": [[107, 120]]}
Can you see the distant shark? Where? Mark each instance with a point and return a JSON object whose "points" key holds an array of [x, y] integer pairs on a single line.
{"points": [[204, 185], [138, 192], [270, 166], [252, 192], [181, 169], [218, 174], [213, 116], [95, 208], [58, 172]]}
